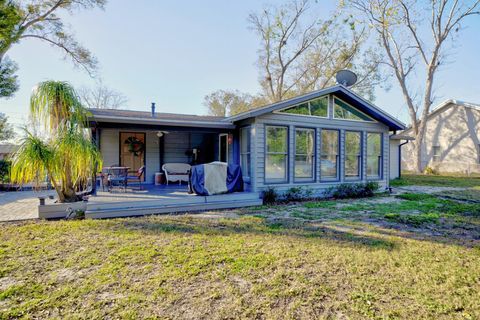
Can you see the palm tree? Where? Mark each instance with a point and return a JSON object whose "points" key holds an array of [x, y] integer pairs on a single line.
{"points": [[63, 149]]}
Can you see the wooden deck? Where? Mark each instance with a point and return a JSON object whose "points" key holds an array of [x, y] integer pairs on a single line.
{"points": [[162, 199]]}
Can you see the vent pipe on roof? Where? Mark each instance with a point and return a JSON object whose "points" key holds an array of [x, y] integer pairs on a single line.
{"points": [[153, 109]]}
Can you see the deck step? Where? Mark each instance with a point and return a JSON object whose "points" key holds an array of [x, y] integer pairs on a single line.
{"points": [[128, 209]]}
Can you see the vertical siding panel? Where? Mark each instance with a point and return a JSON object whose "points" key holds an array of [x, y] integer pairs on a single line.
{"points": [[342, 156], [318, 153], [291, 154]]}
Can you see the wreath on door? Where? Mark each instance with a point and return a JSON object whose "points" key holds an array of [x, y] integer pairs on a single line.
{"points": [[135, 145]]}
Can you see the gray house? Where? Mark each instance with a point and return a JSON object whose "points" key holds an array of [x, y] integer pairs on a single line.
{"points": [[319, 139]]}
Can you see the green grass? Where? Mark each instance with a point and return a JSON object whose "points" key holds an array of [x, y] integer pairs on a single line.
{"points": [[438, 181], [272, 263]]}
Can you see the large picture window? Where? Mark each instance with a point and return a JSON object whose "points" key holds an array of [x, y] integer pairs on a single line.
{"points": [[317, 108], [245, 151], [304, 154], [374, 155], [276, 154], [329, 155], [342, 110], [353, 154]]}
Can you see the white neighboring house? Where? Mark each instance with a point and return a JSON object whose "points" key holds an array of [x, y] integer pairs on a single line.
{"points": [[452, 139], [6, 150]]}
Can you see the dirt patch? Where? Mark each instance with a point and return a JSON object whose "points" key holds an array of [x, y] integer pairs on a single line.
{"points": [[8, 282], [425, 189]]}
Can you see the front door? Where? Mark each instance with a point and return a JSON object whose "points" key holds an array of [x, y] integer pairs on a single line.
{"points": [[223, 147], [132, 150]]}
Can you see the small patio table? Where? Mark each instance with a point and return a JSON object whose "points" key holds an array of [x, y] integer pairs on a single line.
{"points": [[117, 175]]}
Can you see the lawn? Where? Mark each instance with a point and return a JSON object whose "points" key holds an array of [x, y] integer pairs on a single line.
{"points": [[410, 257], [438, 181]]}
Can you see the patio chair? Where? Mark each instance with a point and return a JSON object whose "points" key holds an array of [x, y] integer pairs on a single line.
{"points": [[117, 176], [176, 172], [137, 177]]}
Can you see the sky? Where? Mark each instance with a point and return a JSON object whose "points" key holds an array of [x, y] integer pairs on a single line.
{"points": [[176, 52]]}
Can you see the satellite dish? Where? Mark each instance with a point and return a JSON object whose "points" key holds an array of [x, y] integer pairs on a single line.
{"points": [[346, 78]]}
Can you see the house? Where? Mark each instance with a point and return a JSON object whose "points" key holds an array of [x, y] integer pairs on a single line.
{"points": [[6, 150], [452, 139], [320, 139]]}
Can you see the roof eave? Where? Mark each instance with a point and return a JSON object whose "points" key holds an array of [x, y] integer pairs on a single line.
{"points": [[181, 123]]}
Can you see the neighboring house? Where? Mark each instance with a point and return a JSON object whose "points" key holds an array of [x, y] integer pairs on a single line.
{"points": [[452, 139], [319, 139], [6, 150]]}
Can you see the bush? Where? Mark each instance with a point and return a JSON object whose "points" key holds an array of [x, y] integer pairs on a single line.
{"points": [[298, 194], [5, 170], [270, 196], [356, 190], [431, 171]]}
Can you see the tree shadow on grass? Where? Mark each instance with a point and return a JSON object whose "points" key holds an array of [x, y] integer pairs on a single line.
{"points": [[254, 226]]}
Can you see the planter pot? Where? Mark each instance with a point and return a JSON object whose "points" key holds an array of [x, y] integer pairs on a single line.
{"points": [[60, 210]]}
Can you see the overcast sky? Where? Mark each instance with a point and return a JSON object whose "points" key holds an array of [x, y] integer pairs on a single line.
{"points": [[175, 52]]}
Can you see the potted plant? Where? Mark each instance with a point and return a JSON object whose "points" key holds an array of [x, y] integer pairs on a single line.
{"points": [[59, 147]]}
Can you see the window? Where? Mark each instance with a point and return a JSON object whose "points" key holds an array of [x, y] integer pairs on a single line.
{"points": [[353, 154], [329, 155], [436, 153], [317, 108], [342, 110], [245, 151], [304, 154], [276, 154], [374, 155]]}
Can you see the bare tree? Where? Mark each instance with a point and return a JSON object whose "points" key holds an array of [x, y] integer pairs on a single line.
{"points": [[300, 52], [41, 20], [102, 97], [415, 40]]}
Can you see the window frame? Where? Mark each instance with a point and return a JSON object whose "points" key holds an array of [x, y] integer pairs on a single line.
{"points": [[434, 160], [266, 153], [294, 151], [381, 165], [248, 153], [359, 157], [343, 119], [338, 156], [306, 115], [220, 136]]}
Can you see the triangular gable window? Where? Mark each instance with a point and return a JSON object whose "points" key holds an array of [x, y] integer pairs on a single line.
{"points": [[343, 110], [317, 108]]}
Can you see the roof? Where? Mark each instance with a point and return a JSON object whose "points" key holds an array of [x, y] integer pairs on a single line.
{"points": [[401, 137], [340, 91], [447, 103], [7, 148], [187, 120], [159, 118]]}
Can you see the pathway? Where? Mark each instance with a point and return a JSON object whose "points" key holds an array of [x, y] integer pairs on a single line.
{"points": [[20, 205]]}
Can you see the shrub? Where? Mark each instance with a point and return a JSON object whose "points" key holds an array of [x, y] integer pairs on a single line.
{"points": [[431, 171], [356, 190], [298, 193], [5, 170], [270, 196]]}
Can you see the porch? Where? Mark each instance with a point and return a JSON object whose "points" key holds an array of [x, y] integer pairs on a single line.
{"points": [[153, 199]]}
